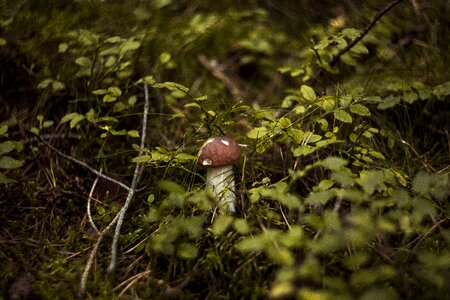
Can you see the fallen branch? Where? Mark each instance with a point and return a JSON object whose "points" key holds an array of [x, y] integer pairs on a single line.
{"points": [[134, 184]]}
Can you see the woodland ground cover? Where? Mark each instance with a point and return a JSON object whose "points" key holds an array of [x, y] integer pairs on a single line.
{"points": [[342, 189]]}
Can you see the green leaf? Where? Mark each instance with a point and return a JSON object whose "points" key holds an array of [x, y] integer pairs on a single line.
{"points": [[119, 106], [241, 226], [47, 124], [343, 116], [304, 150], [360, 110], [109, 98], [118, 132], [376, 154], [321, 197], [359, 48], [370, 180], [389, 102], [185, 157], [83, 61], [129, 46], [172, 86], [7, 162], [308, 93], [325, 184], [133, 133], [100, 92], [164, 57], [257, 133], [221, 223], [6, 147], [74, 119], [170, 186], [143, 159], [114, 40], [334, 163], [349, 60], [310, 137], [114, 91], [187, 251]]}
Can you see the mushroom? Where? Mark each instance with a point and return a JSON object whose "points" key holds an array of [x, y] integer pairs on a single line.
{"points": [[218, 155]]}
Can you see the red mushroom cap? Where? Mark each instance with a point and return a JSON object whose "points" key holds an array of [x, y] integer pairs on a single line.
{"points": [[219, 151]]}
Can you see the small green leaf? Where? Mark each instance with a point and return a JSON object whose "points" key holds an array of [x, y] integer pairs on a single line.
{"points": [[100, 92], [172, 86], [257, 132], [47, 124], [120, 106], [74, 119], [132, 101], [129, 46], [376, 154], [185, 157], [143, 159], [369, 180], [334, 163], [325, 184], [360, 110], [118, 132], [304, 150], [6, 147], [241, 226], [84, 61], [308, 93], [187, 251], [114, 40], [109, 98], [349, 60], [133, 133], [321, 197], [389, 102], [164, 57], [221, 223], [343, 116], [170, 186], [310, 137], [114, 91], [7, 162], [201, 98]]}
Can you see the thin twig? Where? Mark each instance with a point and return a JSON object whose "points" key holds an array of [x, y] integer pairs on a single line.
{"points": [[372, 23], [79, 162], [91, 221], [134, 184], [87, 268]]}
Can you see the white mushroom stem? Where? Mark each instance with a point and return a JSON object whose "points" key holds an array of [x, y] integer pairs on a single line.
{"points": [[220, 180]]}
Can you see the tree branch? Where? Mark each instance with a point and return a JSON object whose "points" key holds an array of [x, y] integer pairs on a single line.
{"points": [[372, 23]]}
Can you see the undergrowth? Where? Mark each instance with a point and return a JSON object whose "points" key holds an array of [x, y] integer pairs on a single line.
{"points": [[342, 188]]}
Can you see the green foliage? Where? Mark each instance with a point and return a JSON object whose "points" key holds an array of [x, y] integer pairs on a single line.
{"points": [[7, 148], [343, 186]]}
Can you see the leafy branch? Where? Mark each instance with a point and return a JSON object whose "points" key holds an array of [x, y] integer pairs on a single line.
{"points": [[372, 23]]}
